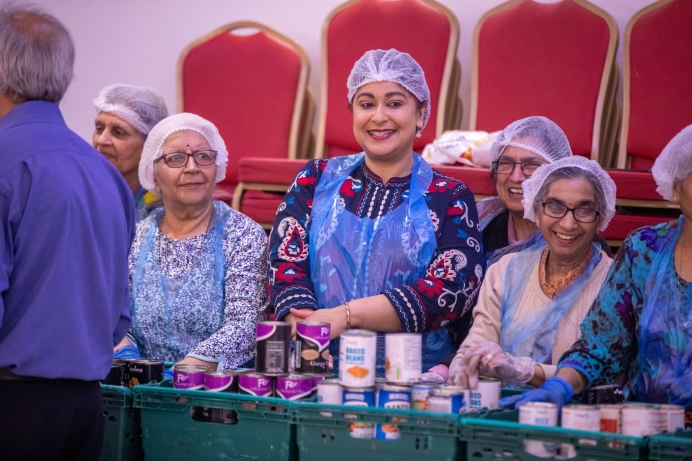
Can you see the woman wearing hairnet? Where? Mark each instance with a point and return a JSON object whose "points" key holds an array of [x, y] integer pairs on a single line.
{"points": [[379, 240], [126, 116], [197, 267], [641, 321], [532, 302]]}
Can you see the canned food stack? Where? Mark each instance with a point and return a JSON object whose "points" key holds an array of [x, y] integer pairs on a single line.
{"points": [[132, 372]]}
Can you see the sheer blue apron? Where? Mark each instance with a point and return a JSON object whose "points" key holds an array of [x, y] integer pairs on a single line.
{"points": [[173, 294], [353, 258], [664, 341], [533, 335]]}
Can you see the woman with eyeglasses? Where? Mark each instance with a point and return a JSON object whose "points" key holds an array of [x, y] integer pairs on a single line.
{"points": [[532, 302], [197, 267]]}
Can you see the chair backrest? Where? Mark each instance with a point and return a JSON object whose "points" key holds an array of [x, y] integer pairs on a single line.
{"points": [[544, 59], [657, 58], [426, 30], [252, 87]]}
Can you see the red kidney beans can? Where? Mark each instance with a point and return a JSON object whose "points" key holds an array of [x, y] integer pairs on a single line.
{"points": [[273, 339], [221, 381], [609, 394], [188, 377], [312, 347], [294, 386], [256, 384], [145, 371]]}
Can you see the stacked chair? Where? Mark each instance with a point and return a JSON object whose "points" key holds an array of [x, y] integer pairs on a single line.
{"points": [[253, 87], [425, 29], [657, 60]]}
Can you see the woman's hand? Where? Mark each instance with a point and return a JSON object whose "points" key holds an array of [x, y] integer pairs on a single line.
{"points": [[496, 363], [336, 318], [297, 315]]}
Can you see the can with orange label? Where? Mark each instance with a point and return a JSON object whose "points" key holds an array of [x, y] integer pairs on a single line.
{"points": [[357, 358]]}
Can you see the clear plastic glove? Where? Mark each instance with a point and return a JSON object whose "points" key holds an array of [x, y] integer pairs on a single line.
{"points": [[496, 363], [432, 377], [555, 390], [463, 371], [168, 375], [127, 352]]}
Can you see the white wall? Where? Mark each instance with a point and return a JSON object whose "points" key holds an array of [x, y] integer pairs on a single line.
{"points": [[138, 41]]}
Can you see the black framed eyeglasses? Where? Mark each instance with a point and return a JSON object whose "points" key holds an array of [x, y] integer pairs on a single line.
{"points": [[506, 166], [581, 214], [180, 159]]}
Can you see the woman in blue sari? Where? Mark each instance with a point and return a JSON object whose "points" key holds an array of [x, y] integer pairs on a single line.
{"points": [[379, 240]]}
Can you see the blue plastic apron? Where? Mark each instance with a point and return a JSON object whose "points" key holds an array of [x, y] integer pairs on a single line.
{"points": [[353, 258]]}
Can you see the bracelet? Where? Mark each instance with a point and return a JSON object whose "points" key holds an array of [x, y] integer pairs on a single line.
{"points": [[348, 315]]}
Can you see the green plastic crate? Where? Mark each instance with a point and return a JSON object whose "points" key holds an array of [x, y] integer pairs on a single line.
{"points": [[496, 435], [424, 436], [123, 434], [264, 429], [676, 447]]}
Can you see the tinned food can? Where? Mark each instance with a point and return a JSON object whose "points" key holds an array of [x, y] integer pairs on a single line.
{"points": [[359, 397], [486, 394], [610, 418], [641, 419], [145, 371], [357, 358], [317, 377], [329, 392], [608, 394], [256, 384], [419, 396], [273, 340], [312, 347], [116, 376], [392, 396], [294, 386], [673, 417], [449, 399], [582, 418], [221, 381], [403, 363], [539, 414], [189, 377]]}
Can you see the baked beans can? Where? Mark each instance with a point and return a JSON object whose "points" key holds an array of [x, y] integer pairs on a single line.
{"points": [[329, 392], [419, 396], [189, 377], [403, 363], [145, 371], [359, 397], [539, 414], [486, 394], [221, 381], [392, 396], [256, 384], [294, 386], [312, 347], [357, 358], [116, 376], [642, 419], [610, 418], [273, 340], [449, 399], [581, 418], [608, 394], [673, 416]]}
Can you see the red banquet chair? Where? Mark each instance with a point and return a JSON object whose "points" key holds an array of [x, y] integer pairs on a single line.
{"points": [[235, 80], [423, 28], [555, 60], [657, 63]]}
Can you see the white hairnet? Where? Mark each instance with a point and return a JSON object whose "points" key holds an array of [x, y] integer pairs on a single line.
{"points": [[139, 106], [533, 185], [674, 163], [390, 66], [536, 134], [179, 122]]}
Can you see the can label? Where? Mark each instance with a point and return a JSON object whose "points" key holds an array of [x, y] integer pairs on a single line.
{"points": [[485, 395], [312, 347], [144, 372], [419, 396], [360, 398], [294, 387], [357, 358], [609, 394], [539, 414], [221, 382], [403, 357], [392, 397], [188, 377], [116, 375], [452, 404], [329, 392], [610, 418], [273, 340], [255, 384]]}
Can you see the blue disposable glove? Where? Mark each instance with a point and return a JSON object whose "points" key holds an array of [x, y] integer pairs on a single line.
{"points": [[127, 352], [555, 390], [168, 375]]}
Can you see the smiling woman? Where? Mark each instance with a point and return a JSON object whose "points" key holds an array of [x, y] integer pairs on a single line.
{"points": [[532, 302], [197, 267], [379, 240]]}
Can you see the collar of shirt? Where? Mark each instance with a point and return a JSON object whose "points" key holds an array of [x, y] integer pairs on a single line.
{"points": [[32, 112], [393, 182]]}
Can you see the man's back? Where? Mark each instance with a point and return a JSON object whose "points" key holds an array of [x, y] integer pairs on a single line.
{"points": [[66, 224]]}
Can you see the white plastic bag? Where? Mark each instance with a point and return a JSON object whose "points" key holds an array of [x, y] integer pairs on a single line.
{"points": [[471, 148]]}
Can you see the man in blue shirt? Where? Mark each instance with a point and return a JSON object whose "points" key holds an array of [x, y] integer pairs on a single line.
{"points": [[66, 225]]}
